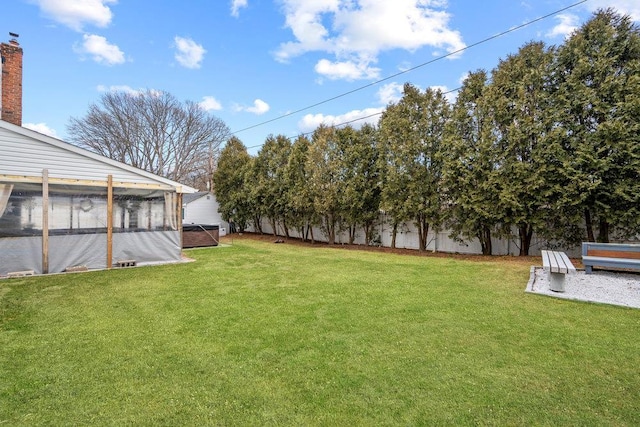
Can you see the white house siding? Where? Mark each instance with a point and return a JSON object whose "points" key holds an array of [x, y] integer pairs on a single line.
{"points": [[204, 210], [144, 212], [27, 153]]}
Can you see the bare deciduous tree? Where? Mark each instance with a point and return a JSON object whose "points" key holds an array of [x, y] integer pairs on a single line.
{"points": [[153, 131]]}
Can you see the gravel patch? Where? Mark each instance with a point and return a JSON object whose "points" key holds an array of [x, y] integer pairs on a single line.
{"points": [[604, 287]]}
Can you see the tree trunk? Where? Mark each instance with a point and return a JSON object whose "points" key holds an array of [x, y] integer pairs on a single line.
{"points": [[352, 234], [589, 225], [274, 226], [367, 231], [423, 230], [285, 228], [258, 223], [603, 231], [331, 229], [484, 235], [526, 233], [393, 235]]}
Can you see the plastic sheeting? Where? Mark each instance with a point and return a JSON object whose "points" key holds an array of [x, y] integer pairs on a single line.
{"points": [[88, 250], [20, 254], [147, 248], [22, 212], [144, 226], [5, 192]]}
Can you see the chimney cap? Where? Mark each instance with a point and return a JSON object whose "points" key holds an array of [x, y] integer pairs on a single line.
{"points": [[14, 41]]}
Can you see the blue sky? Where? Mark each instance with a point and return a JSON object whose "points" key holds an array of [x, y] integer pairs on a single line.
{"points": [[253, 61]]}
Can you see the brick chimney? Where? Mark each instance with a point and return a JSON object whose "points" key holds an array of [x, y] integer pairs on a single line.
{"points": [[11, 101]]}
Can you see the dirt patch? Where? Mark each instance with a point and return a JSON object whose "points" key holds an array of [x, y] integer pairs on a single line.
{"points": [[526, 260]]}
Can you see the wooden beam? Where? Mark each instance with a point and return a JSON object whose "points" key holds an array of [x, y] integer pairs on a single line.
{"points": [[45, 221], [109, 221], [179, 213], [613, 253], [87, 182]]}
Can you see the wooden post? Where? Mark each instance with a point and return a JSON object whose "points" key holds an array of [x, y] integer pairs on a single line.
{"points": [[45, 221], [179, 215], [109, 221]]}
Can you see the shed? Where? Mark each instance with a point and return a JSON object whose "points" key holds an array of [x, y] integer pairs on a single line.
{"points": [[202, 208], [63, 207]]}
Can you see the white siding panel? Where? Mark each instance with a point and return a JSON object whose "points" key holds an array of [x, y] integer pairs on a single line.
{"points": [[205, 211], [24, 156]]}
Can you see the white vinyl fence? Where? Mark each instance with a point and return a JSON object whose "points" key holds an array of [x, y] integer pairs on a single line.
{"points": [[407, 238]]}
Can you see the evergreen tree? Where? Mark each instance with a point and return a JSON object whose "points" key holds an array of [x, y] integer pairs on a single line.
{"points": [[300, 201], [367, 185], [360, 186], [270, 185], [254, 197], [229, 181], [597, 85], [520, 107], [471, 181], [325, 180], [411, 133]]}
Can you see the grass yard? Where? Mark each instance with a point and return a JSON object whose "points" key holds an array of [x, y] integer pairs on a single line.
{"points": [[266, 334]]}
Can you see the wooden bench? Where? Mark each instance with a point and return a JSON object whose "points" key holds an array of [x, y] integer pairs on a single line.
{"points": [[556, 264], [610, 256]]}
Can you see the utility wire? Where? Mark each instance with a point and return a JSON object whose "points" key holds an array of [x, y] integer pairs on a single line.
{"points": [[379, 113], [485, 40]]}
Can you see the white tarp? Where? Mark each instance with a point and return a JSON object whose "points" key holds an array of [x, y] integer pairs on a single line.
{"points": [[20, 254], [5, 192], [144, 227]]}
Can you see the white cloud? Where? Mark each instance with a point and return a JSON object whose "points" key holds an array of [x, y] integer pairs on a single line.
{"points": [[404, 66], [567, 24], [76, 14], [357, 31], [625, 7], [463, 77], [42, 128], [346, 70], [120, 88], [236, 5], [390, 93], [189, 53], [259, 107], [100, 50], [357, 118], [209, 103], [304, 18]]}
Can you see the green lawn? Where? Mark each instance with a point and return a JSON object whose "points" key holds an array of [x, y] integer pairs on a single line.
{"points": [[264, 334]]}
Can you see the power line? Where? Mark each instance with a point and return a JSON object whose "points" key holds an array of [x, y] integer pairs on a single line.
{"points": [[392, 76], [379, 113]]}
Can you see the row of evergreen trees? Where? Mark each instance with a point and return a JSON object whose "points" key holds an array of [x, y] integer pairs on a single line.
{"points": [[548, 143]]}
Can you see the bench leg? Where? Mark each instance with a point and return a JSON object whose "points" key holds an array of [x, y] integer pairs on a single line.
{"points": [[556, 282]]}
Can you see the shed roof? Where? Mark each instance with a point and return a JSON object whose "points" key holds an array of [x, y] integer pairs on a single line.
{"points": [[188, 198], [24, 153]]}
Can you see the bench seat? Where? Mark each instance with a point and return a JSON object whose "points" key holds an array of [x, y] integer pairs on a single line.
{"points": [[596, 261], [610, 255], [556, 264]]}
